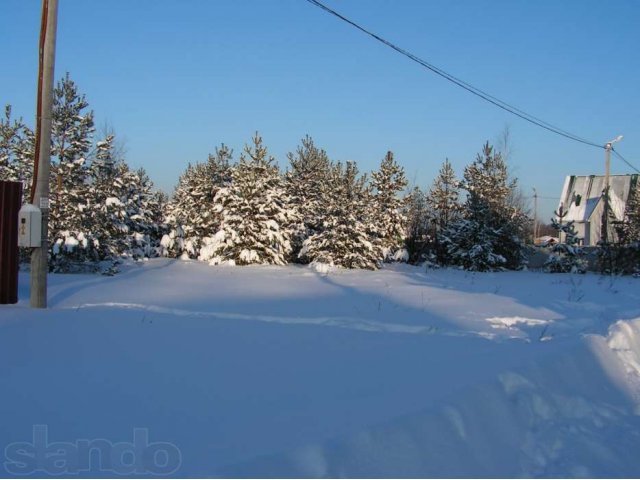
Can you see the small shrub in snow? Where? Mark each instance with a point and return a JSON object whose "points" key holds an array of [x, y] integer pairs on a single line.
{"points": [[73, 252], [568, 256]]}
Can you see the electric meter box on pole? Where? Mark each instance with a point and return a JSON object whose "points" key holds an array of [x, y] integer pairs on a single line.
{"points": [[29, 226]]}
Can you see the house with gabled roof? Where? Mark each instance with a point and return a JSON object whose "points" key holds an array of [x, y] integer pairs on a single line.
{"points": [[582, 202]]}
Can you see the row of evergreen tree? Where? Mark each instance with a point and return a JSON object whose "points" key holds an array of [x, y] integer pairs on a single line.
{"points": [[318, 211], [250, 212]]}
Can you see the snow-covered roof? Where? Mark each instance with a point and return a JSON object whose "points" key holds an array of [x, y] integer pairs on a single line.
{"points": [[582, 193]]}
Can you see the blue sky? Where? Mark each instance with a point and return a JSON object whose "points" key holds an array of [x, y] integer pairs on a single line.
{"points": [[176, 78]]}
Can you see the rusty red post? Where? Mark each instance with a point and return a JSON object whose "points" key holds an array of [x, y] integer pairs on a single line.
{"points": [[10, 199]]}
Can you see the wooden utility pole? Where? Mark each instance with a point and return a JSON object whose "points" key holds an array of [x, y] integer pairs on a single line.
{"points": [[605, 214], [607, 166], [535, 215], [40, 195]]}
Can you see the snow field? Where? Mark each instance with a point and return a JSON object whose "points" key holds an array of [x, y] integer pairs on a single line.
{"points": [[296, 371]]}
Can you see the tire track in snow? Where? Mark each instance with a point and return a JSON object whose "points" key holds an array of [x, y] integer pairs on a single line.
{"points": [[352, 323]]}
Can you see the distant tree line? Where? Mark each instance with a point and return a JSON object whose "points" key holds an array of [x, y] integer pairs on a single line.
{"points": [[250, 212]]}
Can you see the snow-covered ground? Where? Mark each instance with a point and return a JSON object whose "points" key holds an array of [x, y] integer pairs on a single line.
{"points": [[295, 371]]}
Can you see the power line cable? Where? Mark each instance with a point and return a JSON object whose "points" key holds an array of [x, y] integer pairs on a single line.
{"points": [[466, 86], [624, 160]]}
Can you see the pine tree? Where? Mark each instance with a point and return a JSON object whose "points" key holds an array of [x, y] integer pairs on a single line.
{"points": [[418, 233], [568, 256], [180, 211], [471, 244], [191, 215], [445, 208], [124, 208], [255, 211], [108, 221], [215, 174], [630, 229], [387, 208], [100, 210], [16, 151], [623, 255], [307, 184], [443, 198], [489, 235], [346, 239], [72, 128], [143, 208], [73, 245]]}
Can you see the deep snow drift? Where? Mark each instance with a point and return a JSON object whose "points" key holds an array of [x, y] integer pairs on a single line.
{"points": [[289, 371]]}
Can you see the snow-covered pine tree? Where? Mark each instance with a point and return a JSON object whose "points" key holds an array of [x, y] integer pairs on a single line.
{"points": [[387, 214], [568, 256], [10, 134], [143, 208], [256, 214], [489, 234], [630, 228], [418, 230], [191, 215], [307, 183], [108, 221], [16, 151], [178, 214], [346, 239], [16, 158], [72, 243], [124, 208], [444, 204], [443, 197], [215, 174], [471, 242], [623, 255]]}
